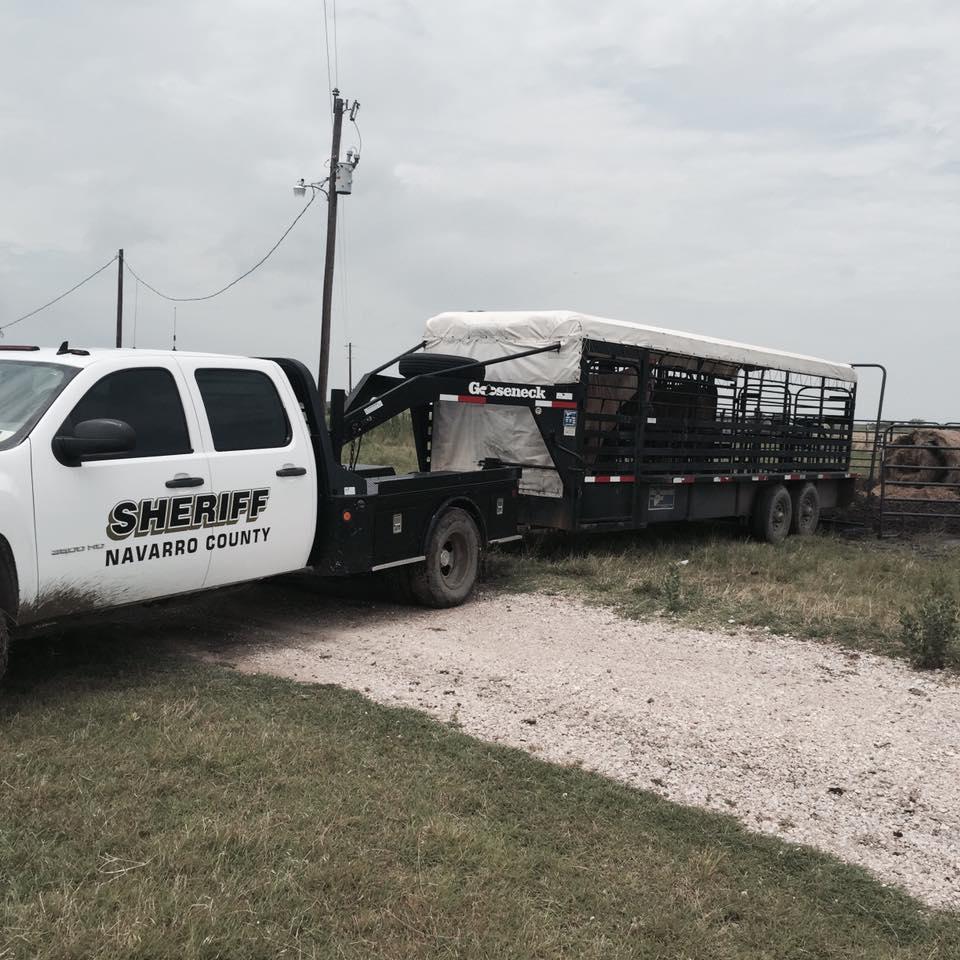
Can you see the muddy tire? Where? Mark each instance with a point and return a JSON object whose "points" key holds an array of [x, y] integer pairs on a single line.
{"points": [[4, 644], [419, 363], [772, 514], [806, 511], [450, 572]]}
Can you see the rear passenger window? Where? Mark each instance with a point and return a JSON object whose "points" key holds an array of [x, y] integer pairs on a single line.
{"points": [[244, 410], [148, 399]]}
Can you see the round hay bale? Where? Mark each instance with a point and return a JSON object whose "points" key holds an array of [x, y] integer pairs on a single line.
{"points": [[914, 458]]}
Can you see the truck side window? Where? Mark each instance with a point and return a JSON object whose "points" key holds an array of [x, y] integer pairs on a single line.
{"points": [[148, 399], [244, 409]]}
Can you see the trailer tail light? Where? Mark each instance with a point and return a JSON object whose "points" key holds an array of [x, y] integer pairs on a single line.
{"points": [[347, 516]]}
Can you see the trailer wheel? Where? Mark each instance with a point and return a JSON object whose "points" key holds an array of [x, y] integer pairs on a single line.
{"points": [[806, 511], [418, 363], [772, 514], [449, 574]]}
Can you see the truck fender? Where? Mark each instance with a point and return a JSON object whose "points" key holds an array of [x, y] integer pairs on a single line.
{"points": [[464, 503], [9, 583]]}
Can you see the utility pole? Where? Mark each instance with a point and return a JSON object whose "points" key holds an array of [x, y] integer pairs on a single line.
{"points": [[120, 298], [331, 245]]}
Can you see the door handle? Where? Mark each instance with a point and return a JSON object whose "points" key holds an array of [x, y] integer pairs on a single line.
{"points": [[182, 480], [291, 471]]}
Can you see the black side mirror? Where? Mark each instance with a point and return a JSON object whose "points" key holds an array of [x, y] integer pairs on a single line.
{"points": [[94, 438]]}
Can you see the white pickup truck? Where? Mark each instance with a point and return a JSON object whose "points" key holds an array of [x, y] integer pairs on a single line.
{"points": [[133, 475]]}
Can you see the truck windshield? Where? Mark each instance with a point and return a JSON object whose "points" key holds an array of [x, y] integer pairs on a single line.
{"points": [[26, 390]]}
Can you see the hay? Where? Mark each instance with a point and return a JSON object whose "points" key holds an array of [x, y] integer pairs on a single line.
{"points": [[932, 457]]}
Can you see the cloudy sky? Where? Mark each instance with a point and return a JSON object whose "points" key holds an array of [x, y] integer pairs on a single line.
{"points": [[784, 172]]}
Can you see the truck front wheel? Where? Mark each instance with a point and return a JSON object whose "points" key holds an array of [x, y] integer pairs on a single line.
{"points": [[4, 644], [449, 574]]}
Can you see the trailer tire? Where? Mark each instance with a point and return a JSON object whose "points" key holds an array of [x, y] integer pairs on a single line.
{"points": [[419, 363], [806, 511], [449, 574], [772, 514]]}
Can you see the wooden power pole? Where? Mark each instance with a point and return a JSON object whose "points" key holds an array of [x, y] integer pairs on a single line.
{"points": [[120, 298], [331, 246]]}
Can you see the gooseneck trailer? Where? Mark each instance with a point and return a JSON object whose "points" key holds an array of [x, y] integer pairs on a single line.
{"points": [[617, 425]]}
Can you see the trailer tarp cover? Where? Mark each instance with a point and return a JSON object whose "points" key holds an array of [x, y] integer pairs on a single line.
{"points": [[464, 434], [484, 336]]}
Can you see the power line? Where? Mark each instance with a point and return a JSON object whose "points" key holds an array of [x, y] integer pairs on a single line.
{"points": [[136, 312], [232, 283], [326, 39], [336, 47], [50, 303], [356, 126]]}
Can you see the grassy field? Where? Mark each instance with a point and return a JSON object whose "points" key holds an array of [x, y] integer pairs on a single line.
{"points": [[823, 587], [153, 808], [826, 587]]}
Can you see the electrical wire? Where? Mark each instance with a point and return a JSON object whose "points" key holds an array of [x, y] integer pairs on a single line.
{"points": [[136, 312], [326, 38], [232, 283], [336, 47], [359, 137], [50, 303]]}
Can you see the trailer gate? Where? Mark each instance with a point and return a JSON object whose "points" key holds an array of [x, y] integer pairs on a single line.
{"points": [[907, 495]]}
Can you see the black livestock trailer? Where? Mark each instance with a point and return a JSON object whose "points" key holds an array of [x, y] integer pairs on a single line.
{"points": [[618, 425]]}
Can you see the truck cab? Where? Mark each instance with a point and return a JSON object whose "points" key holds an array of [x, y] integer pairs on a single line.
{"points": [[132, 475]]}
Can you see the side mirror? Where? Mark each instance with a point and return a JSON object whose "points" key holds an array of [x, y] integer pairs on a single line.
{"points": [[94, 438]]}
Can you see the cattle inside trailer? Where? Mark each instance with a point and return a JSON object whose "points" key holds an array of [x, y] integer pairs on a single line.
{"points": [[619, 426]]}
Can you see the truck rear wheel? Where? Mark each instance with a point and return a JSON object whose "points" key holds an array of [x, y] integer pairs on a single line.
{"points": [[806, 511], [772, 513], [449, 574]]}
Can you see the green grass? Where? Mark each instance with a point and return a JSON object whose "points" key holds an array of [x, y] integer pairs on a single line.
{"points": [[823, 587], [390, 444], [154, 808]]}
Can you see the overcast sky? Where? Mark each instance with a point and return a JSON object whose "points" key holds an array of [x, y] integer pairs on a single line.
{"points": [[783, 172]]}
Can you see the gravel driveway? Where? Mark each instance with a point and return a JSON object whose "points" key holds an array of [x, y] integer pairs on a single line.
{"points": [[857, 755]]}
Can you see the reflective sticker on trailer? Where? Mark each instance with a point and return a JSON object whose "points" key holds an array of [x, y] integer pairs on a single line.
{"points": [[661, 498]]}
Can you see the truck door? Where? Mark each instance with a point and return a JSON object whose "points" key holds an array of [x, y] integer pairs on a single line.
{"points": [[261, 458], [119, 528]]}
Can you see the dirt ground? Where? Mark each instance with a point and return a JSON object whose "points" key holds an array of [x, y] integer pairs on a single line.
{"points": [[854, 754]]}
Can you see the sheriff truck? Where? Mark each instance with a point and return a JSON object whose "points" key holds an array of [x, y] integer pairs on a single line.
{"points": [[133, 475]]}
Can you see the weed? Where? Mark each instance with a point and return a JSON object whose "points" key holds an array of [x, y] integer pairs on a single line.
{"points": [[930, 630]]}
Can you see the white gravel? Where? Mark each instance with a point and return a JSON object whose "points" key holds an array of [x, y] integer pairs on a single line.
{"points": [[856, 755]]}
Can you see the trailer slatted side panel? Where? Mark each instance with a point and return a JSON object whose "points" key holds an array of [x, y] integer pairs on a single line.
{"points": [[695, 418]]}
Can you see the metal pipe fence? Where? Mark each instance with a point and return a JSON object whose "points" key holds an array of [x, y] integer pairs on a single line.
{"points": [[919, 479]]}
